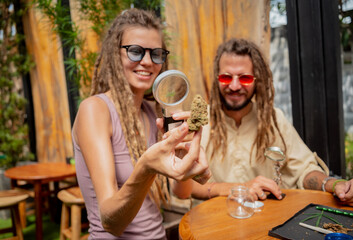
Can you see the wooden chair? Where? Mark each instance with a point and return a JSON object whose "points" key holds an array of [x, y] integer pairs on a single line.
{"points": [[49, 192], [11, 199], [72, 200], [26, 208]]}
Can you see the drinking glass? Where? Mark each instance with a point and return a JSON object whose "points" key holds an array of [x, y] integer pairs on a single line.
{"points": [[240, 203]]}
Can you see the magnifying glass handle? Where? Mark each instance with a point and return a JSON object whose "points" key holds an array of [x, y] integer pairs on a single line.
{"points": [[170, 123]]}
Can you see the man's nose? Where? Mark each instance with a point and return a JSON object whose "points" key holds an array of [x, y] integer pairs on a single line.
{"points": [[235, 84]]}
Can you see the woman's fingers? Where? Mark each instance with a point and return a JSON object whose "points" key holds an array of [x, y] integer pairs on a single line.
{"points": [[206, 174], [182, 159], [192, 155], [181, 115], [203, 178], [176, 116], [176, 135], [199, 169], [159, 123]]}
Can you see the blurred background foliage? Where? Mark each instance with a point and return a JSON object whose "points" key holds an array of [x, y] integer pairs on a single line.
{"points": [[346, 25], [349, 156], [100, 14], [14, 63]]}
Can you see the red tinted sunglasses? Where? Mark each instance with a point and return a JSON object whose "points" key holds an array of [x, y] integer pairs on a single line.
{"points": [[244, 79]]}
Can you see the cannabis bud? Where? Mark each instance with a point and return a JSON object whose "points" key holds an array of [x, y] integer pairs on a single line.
{"points": [[199, 115]]}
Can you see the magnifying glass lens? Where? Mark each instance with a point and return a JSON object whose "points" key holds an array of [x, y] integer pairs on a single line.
{"points": [[172, 90], [275, 154]]}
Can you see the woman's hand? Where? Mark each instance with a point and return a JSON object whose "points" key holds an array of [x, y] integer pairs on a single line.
{"points": [[161, 157], [176, 116], [180, 149]]}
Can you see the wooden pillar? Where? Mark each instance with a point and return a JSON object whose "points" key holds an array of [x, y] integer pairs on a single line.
{"points": [[92, 42], [51, 111], [197, 27]]}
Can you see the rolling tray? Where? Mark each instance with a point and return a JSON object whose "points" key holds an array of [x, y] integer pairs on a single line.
{"points": [[292, 230]]}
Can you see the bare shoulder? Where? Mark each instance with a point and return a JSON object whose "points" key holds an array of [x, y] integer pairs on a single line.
{"points": [[93, 103], [93, 107], [93, 111]]}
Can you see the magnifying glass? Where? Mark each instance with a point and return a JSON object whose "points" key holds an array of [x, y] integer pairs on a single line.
{"points": [[274, 154], [277, 155], [170, 89]]}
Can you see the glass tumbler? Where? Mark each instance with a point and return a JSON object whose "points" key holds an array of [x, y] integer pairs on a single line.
{"points": [[240, 203]]}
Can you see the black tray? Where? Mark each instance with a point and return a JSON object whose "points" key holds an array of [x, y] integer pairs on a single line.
{"points": [[292, 230]]}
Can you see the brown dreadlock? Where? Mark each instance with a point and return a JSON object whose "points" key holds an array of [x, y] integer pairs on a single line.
{"points": [[264, 93], [109, 75]]}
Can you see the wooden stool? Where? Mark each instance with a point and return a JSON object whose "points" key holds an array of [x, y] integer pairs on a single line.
{"points": [[72, 199], [26, 208], [11, 199]]}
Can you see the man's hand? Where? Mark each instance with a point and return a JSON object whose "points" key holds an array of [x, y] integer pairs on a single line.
{"points": [[260, 185], [344, 192], [342, 189]]}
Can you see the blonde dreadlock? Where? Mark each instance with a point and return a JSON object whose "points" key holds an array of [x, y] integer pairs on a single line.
{"points": [[109, 75], [264, 93]]}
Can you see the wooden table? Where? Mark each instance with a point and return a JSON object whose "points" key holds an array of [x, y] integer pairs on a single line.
{"points": [[39, 174], [210, 219]]}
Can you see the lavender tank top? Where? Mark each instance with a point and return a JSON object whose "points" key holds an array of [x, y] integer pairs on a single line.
{"points": [[148, 222]]}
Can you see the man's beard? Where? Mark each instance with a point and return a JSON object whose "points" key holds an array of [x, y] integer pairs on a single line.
{"points": [[237, 107]]}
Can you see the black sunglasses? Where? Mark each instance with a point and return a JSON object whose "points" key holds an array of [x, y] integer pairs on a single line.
{"points": [[135, 53]]}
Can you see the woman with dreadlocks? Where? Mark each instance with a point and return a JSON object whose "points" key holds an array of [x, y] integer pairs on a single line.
{"points": [[244, 122], [121, 167]]}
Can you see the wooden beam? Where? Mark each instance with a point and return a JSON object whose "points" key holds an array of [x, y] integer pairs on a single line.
{"points": [[50, 100], [92, 42]]}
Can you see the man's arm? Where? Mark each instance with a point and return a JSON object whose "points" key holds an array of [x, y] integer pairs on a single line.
{"points": [[313, 180], [256, 186], [210, 190], [339, 187]]}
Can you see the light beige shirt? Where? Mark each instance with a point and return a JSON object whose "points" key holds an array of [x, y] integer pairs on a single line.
{"points": [[237, 165]]}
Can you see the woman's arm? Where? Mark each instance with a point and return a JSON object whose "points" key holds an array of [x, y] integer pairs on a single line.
{"points": [[118, 207], [93, 131]]}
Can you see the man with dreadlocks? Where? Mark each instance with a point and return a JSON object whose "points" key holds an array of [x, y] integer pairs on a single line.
{"points": [[120, 166], [244, 122]]}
